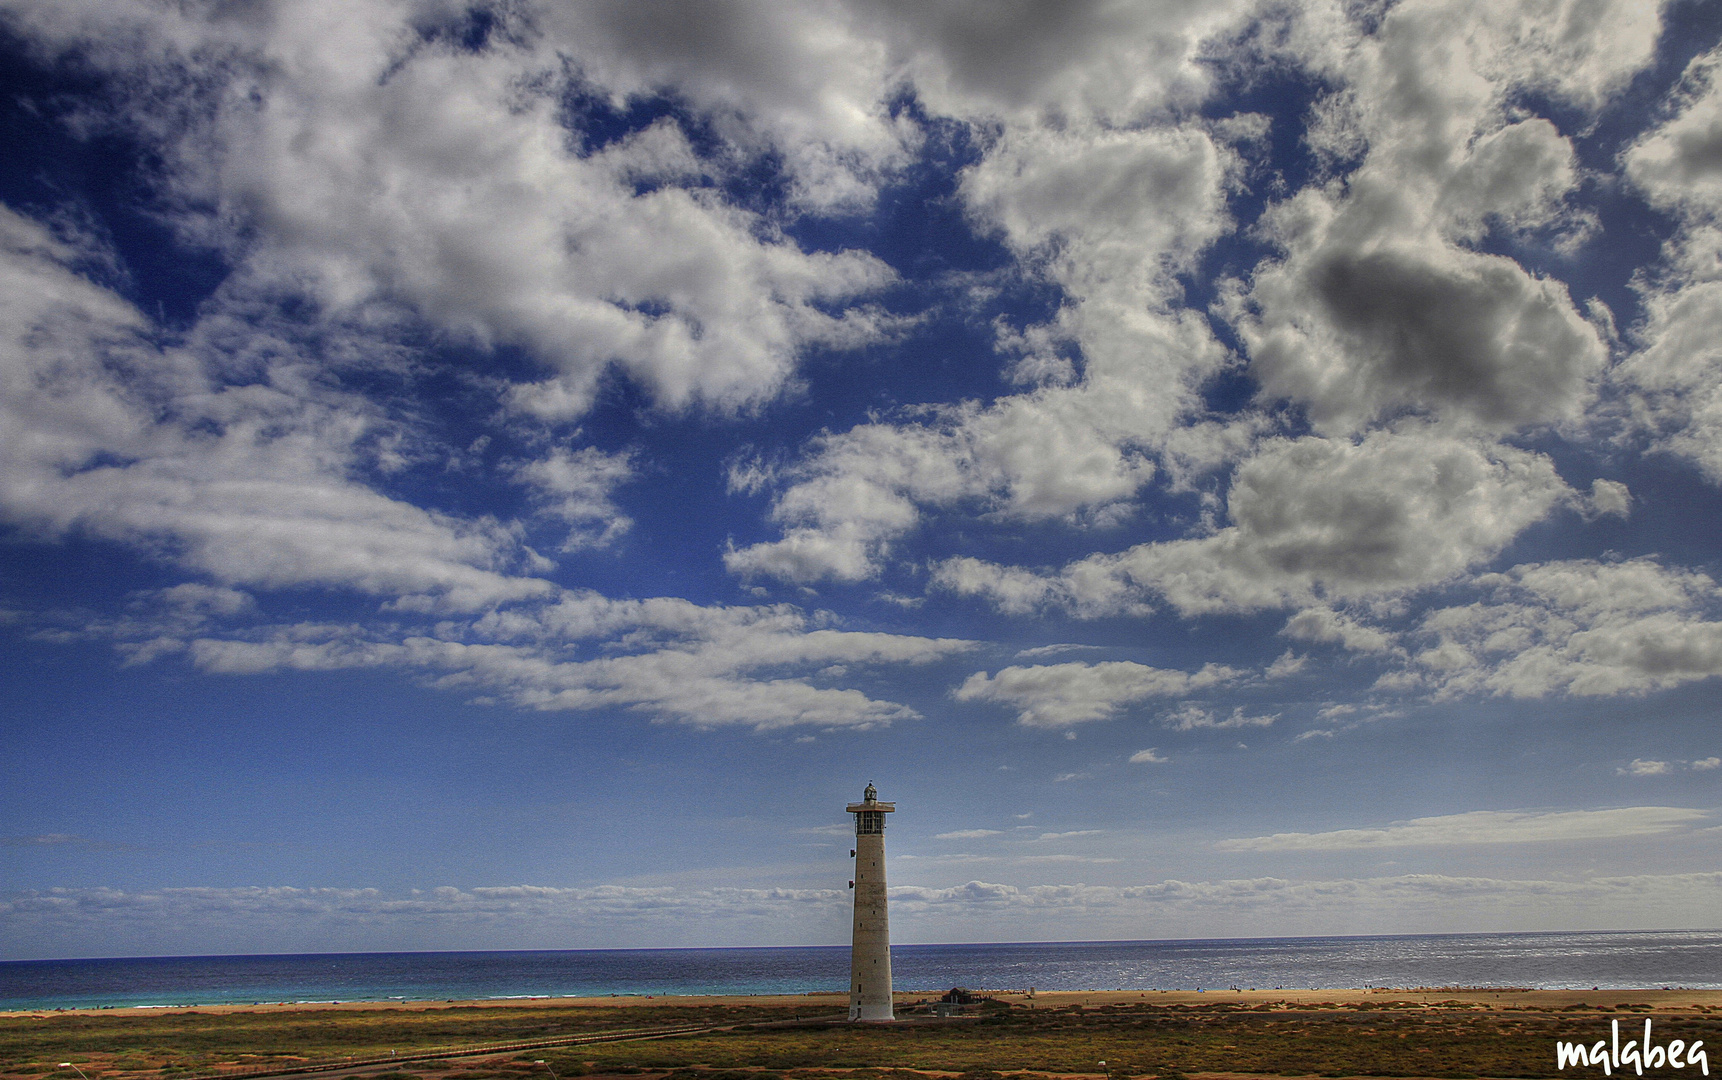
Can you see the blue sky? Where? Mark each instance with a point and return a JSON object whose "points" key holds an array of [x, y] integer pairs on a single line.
{"points": [[505, 475]]}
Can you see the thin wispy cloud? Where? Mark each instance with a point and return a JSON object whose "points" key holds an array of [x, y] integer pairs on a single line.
{"points": [[1485, 827], [45, 840]]}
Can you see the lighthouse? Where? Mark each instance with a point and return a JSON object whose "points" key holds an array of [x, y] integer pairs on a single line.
{"points": [[870, 955]]}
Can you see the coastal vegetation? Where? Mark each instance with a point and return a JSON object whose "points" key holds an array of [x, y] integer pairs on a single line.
{"points": [[1145, 1038]]}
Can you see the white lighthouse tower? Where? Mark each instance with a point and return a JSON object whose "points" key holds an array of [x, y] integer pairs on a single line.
{"points": [[870, 955]]}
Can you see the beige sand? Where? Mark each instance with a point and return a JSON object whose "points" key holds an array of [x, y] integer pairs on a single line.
{"points": [[1660, 1000]]}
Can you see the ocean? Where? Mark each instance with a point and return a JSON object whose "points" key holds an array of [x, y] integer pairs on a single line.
{"points": [[1686, 959]]}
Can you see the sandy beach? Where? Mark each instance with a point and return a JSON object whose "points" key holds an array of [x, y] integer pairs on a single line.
{"points": [[1658, 999]]}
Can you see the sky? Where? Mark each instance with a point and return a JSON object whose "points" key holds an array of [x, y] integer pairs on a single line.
{"points": [[505, 475]]}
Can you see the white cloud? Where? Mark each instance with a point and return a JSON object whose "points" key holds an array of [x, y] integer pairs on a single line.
{"points": [[357, 152], [667, 658], [53, 840], [246, 916], [1112, 210], [1059, 695], [1117, 63], [1046, 454], [1376, 306], [767, 668], [1148, 757], [1324, 625], [1676, 164], [1484, 827], [393, 174], [574, 486], [968, 834], [1359, 335], [1050, 650], [1014, 590], [1189, 717], [1577, 627], [828, 830], [1077, 452], [1675, 376], [1108, 213], [325, 919], [1643, 767], [1652, 767], [1380, 905], [105, 432], [1312, 519]]}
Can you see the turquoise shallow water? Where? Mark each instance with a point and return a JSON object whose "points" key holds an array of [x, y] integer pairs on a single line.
{"points": [[1621, 960]]}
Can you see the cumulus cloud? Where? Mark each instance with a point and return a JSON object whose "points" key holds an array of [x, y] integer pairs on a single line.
{"points": [[1101, 194], [1117, 213], [1326, 626], [1117, 63], [1061, 695], [1190, 716], [1578, 627], [358, 152], [1678, 164], [1359, 335], [1643, 767], [574, 486], [1376, 305], [106, 432], [1313, 519], [1148, 757], [1052, 453], [1608, 498], [1675, 375], [399, 169], [1484, 827]]}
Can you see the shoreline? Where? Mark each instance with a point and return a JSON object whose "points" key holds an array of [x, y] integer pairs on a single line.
{"points": [[1648, 999]]}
